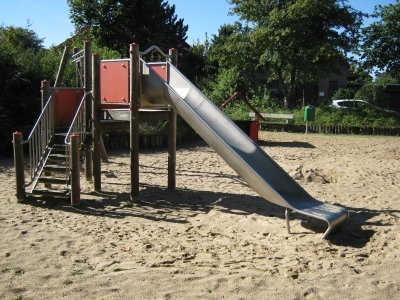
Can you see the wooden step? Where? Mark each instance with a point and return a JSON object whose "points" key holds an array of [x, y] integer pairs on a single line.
{"points": [[58, 147], [52, 180], [55, 168], [59, 138], [57, 157], [50, 192]]}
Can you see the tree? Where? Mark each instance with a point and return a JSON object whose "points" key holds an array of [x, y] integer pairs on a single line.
{"points": [[232, 47], [117, 23], [20, 76], [381, 43], [231, 63], [22, 38], [193, 62], [373, 93], [300, 41]]}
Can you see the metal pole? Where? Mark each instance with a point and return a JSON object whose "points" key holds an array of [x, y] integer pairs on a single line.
{"points": [[75, 170], [87, 72], [134, 119], [287, 220], [45, 88], [172, 130], [96, 130], [19, 166], [78, 68], [62, 67]]}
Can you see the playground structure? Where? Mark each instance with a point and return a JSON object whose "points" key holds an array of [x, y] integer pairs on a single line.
{"points": [[70, 127]]}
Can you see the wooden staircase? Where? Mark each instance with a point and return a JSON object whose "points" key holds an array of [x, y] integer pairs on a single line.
{"points": [[53, 179]]}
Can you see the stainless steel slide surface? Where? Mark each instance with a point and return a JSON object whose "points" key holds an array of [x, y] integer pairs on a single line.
{"points": [[249, 160]]}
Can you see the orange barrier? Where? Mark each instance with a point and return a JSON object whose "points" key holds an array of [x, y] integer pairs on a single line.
{"points": [[66, 102]]}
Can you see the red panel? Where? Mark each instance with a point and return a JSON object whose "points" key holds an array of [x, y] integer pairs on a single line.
{"points": [[254, 131], [66, 102], [114, 82], [160, 69]]}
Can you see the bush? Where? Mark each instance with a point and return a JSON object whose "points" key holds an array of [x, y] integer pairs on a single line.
{"points": [[373, 93], [351, 117], [343, 93]]}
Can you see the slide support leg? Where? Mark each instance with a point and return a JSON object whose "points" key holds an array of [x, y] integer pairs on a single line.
{"points": [[287, 220]]}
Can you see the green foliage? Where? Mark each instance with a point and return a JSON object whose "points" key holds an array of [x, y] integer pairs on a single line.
{"points": [[262, 100], [20, 76], [300, 41], [231, 63], [149, 128], [227, 82], [381, 45], [385, 78], [116, 24], [360, 74], [21, 38], [194, 62], [373, 93], [233, 48], [343, 93], [367, 117]]}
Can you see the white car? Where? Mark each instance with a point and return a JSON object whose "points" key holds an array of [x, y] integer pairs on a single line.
{"points": [[349, 103], [356, 103]]}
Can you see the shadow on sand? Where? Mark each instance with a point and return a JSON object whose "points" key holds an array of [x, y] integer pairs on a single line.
{"points": [[160, 204], [179, 204]]}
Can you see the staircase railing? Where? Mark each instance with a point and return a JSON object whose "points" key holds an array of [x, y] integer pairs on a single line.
{"points": [[39, 139], [78, 126]]}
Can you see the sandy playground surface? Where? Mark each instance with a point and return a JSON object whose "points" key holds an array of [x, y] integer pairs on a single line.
{"points": [[212, 237]]}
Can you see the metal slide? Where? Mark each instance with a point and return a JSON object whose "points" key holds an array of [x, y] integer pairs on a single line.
{"points": [[249, 160]]}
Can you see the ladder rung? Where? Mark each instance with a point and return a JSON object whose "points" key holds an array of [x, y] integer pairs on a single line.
{"points": [[55, 168], [52, 180], [50, 192], [58, 157]]}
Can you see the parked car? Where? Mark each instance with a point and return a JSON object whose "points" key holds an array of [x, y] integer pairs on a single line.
{"points": [[356, 103]]}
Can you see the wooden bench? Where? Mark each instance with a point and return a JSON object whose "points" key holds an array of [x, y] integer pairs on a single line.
{"points": [[288, 117]]}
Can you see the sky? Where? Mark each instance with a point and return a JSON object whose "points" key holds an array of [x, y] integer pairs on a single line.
{"points": [[50, 18]]}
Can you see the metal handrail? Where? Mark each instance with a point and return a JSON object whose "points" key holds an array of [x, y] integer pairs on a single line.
{"points": [[78, 126], [40, 137], [77, 56], [154, 48]]}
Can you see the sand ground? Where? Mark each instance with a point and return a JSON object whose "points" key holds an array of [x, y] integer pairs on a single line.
{"points": [[212, 237]]}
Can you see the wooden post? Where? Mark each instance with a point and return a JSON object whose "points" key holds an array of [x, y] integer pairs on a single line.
{"points": [[87, 72], [96, 129], [172, 149], [62, 67], [45, 89], [134, 119], [173, 57], [172, 129], [75, 170], [103, 151], [19, 166]]}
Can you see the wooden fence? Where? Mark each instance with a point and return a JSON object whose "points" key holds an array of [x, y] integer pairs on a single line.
{"points": [[120, 139], [332, 129]]}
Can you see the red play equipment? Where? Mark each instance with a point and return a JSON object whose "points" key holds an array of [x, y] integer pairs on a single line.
{"points": [[69, 127], [250, 127]]}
